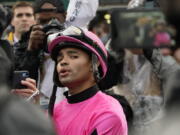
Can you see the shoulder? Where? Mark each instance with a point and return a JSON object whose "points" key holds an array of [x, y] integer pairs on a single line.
{"points": [[109, 109], [24, 118], [107, 100], [4, 44]]}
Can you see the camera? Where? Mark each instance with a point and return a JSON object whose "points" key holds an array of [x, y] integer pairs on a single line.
{"points": [[54, 26]]}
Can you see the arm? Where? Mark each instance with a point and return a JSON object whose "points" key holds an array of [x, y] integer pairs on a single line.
{"points": [[28, 60], [163, 66], [28, 52]]}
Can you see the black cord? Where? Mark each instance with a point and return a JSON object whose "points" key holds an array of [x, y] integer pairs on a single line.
{"points": [[52, 101]]}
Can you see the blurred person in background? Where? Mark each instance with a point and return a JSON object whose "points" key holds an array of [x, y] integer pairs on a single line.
{"points": [[100, 27], [147, 74], [31, 54], [22, 20], [169, 124], [145, 85], [165, 68], [18, 117]]}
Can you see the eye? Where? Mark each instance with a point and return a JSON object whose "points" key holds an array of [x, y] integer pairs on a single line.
{"points": [[29, 14], [19, 15], [59, 58], [74, 56]]}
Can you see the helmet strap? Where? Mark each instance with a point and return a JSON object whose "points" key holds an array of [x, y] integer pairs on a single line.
{"points": [[95, 68]]}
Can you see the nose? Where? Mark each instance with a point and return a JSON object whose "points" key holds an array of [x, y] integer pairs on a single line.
{"points": [[64, 61], [24, 17]]}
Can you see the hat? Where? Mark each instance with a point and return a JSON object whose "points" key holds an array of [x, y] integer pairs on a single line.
{"points": [[56, 3]]}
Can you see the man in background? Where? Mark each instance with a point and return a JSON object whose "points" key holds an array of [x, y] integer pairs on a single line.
{"points": [[22, 20]]}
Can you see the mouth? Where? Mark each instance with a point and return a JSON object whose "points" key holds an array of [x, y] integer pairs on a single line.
{"points": [[64, 73], [25, 25]]}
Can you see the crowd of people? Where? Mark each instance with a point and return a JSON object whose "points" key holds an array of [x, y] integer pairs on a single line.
{"points": [[78, 83]]}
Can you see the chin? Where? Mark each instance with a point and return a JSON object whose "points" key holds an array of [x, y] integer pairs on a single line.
{"points": [[66, 82], [70, 83]]}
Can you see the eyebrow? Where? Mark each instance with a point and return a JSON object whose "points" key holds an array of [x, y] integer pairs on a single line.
{"points": [[26, 14], [72, 52], [69, 52]]}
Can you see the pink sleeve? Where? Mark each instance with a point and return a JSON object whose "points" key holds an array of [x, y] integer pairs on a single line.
{"points": [[110, 124]]}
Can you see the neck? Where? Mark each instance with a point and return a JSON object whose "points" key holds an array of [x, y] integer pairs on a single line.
{"points": [[17, 35], [80, 87]]}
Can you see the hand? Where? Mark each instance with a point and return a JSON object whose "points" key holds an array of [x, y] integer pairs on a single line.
{"points": [[29, 91], [37, 37]]}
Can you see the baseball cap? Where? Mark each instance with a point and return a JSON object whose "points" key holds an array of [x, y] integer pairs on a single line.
{"points": [[56, 3]]}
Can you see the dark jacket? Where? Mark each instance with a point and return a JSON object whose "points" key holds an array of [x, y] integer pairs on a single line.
{"points": [[27, 60], [7, 48], [6, 60]]}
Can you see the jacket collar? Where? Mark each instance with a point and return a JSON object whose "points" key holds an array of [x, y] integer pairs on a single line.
{"points": [[84, 95]]}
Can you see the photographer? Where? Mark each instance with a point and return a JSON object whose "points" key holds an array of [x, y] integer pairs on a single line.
{"points": [[29, 83], [17, 117], [31, 44], [31, 54]]}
